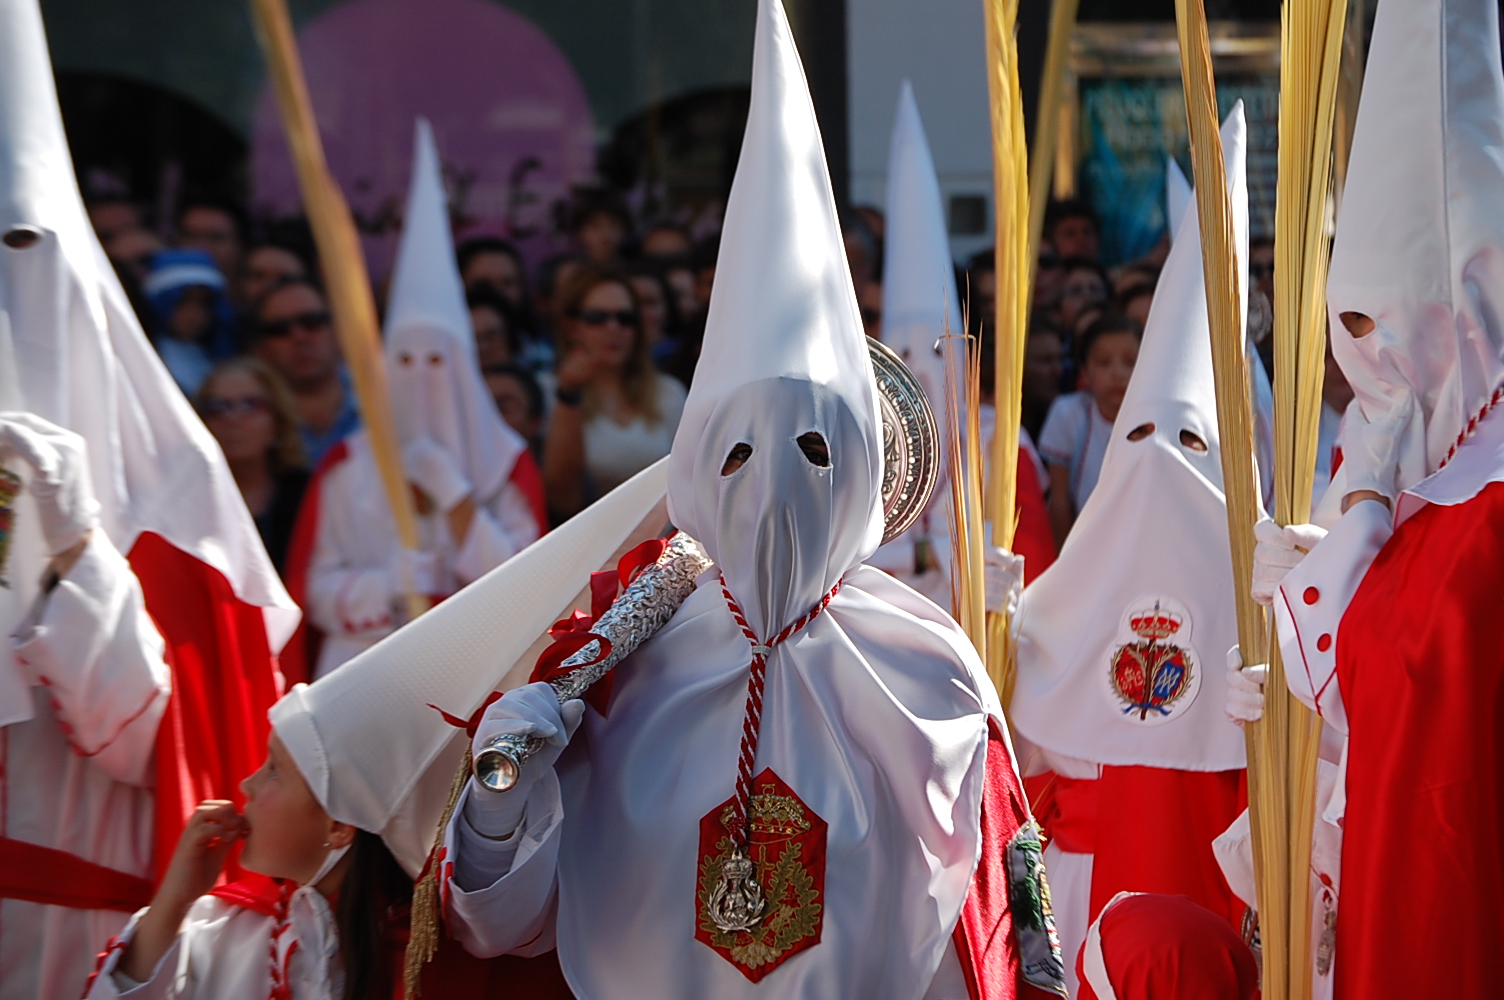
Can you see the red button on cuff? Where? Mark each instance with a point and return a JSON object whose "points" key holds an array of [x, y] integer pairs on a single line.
{"points": [[1325, 642], [1312, 595]]}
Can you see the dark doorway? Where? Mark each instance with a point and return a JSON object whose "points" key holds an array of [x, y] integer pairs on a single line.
{"points": [[139, 141]]}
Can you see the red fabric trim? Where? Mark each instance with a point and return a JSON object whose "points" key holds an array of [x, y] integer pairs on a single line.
{"points": [[224, 681], [1421, 668], [984, 938], [302, 651], [529, 480], [252, 891], [46, 875], [1033, 538]]}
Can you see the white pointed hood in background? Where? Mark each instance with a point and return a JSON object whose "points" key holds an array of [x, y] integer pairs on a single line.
{"points": [[1149, 554], [783, 318], [1420, 238], [919, 277], [372, 750], [72, 352], [436, 384]]}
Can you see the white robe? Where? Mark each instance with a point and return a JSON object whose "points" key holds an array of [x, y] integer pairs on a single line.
{"points": [[223, 951], [860, 720], [77, 776], [349, 594]]}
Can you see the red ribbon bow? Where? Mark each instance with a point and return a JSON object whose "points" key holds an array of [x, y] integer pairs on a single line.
{"points": [[573, 634]]}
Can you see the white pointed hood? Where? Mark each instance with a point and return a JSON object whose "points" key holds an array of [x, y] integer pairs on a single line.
{"points": [[1144, 582], [372, 750], [919, 278], [436, 384], [784, 354], [1420, 239], [72, 352]]}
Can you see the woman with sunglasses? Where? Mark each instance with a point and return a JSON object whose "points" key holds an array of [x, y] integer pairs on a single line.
{"points": [[614, 414], [249, 411]]}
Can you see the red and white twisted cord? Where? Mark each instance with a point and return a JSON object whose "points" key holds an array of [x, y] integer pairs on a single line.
{"points": [[752, 717]]}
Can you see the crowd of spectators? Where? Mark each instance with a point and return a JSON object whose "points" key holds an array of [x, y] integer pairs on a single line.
{"points": [[588, 353]]}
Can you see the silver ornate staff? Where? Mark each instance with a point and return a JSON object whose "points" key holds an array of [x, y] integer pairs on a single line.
{"points": [[642, 609]]}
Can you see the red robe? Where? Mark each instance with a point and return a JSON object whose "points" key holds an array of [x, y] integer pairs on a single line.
{"points": [[224, 681], [1420, 662], [1034, 539]]}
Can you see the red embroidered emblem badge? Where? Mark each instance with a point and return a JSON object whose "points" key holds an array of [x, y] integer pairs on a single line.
{"points": [[1153, 678], [786, 853]]}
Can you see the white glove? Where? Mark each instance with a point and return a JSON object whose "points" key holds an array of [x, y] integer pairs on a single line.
{"points": [[1279, 550], [1003, 576], [531, 710], [61, 484], [1371, 448], [415, 569], [1245, 688], [435, 471]]}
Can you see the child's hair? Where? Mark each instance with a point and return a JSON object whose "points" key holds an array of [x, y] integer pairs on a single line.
{"points": [[1107, 323], [372, 912]]}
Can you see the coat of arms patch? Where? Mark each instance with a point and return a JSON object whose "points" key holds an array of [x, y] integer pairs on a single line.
{"points": [[785, 858], [1154, 675]]}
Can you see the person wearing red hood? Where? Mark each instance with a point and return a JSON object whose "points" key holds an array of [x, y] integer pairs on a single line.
{"points": [[141, 612], [1146, 946]]}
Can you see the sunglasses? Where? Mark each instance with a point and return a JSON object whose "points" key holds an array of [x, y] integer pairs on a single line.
{"points": [[308, 322], [600, 317], [1260, 270], [218, 406]]}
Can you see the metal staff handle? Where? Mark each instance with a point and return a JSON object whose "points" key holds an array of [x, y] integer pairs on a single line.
{"points": [[638, 614]]}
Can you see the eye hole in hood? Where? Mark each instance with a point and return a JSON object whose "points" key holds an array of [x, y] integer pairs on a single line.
{"points": [[736, 458], [21, 237], [815, 449], [1193, 441], [1140, 432]]}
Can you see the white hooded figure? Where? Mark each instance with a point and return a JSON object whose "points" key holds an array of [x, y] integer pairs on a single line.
{"points": [[1122, 641], [97, 448], [1388, 628], [920, 307], [850, 779], [480, 493]]}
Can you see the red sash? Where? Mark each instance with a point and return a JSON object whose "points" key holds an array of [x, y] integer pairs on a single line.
{"points": [[45, 875]]}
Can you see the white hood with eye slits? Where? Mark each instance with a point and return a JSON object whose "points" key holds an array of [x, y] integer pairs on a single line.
{"points": [[1420, 239], [875, 714], [1148, 559], [436, 385], [73, 353]]}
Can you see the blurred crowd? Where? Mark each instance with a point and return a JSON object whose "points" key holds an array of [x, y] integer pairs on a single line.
{"points": [[612, 327]]}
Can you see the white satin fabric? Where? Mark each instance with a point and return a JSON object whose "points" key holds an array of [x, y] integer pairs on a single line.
{"points": [[73, 353], [1420, 239], [1154, 531], [875, 715], [224, 952], [77, 776]]}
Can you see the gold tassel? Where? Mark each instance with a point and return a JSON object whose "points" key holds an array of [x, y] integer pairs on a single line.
{"points": [[427, 913]]}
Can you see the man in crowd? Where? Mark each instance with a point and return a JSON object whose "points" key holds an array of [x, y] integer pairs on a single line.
{"points": [[293, 333]]}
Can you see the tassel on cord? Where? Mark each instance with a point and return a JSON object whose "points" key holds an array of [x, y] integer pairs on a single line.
{"points": [[427, 910]]}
